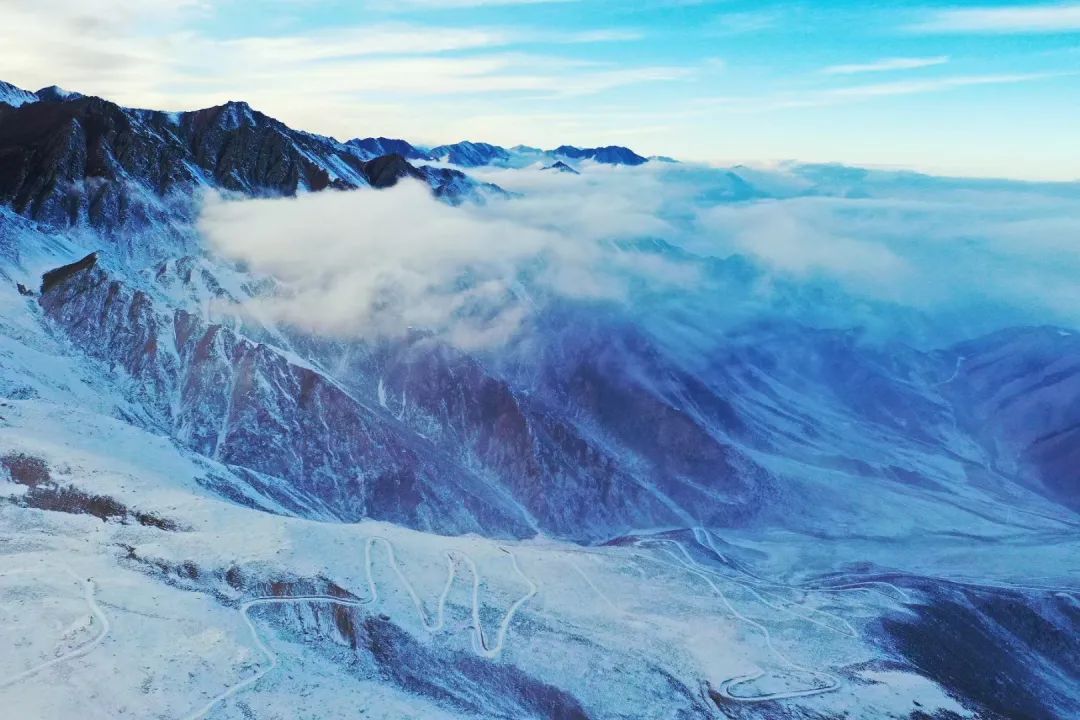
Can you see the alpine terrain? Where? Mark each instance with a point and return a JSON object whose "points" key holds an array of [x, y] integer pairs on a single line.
{"points": [[298, 427]]}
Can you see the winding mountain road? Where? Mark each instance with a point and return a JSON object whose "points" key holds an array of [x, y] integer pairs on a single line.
{"points": [[270, 655], [755, 589], [480, 644], [479, 641], [830, 682], [96, 613], [866, 585], [451, 572]]}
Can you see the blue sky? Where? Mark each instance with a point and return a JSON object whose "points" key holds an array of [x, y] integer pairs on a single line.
{"points": [[978, 88]]}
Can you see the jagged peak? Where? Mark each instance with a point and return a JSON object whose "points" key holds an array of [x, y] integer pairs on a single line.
{"points": [[238, 105], [14, 95], [607, 154], [560, 166], [55, 93], [234, 114], [376, 146], [474, 145], [385, 171], [378, 139], [471, 154]]}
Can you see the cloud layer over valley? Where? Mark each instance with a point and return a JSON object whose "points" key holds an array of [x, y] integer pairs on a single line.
{"points": [[954, 257]]}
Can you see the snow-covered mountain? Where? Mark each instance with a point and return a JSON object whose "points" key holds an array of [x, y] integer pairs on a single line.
{"points": [[14, 96], [470, 154], [130, 161], [560, 166], [656, 502], [473, 154], [609, 155], [378, 146]]}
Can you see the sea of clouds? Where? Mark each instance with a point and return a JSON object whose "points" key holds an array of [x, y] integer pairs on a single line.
{"points": [[933, 259]]}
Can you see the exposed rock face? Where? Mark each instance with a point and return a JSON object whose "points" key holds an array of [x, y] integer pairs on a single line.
{"points": [[474, 452], [52, 278], [245, 404], [441, 675], [55, 93], [385, 171], [594, 423], [573, 481], [595, 433], [240, 149], [476, 154], [447, 183]]}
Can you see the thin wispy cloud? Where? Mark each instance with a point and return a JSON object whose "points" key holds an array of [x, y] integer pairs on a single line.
{"points": [[741, 23], [597, 36], [398, 39], [455, 4], [868, 91], [401, 39], [912, 87], [320, 79], [886, 65], [1044, 18]]}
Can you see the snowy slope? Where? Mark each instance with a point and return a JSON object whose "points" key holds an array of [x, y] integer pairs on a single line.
{"points": [[223, 611]]}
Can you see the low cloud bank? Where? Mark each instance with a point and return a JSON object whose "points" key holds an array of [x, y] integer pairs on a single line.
{"points": [[964, 256], [373, 264]]}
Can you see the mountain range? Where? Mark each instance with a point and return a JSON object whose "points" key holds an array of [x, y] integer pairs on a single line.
{"points": [[221, 454]]}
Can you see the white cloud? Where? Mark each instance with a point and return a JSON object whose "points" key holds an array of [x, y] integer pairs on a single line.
{"points": [[1006, 19], [965, 256], [912, 87], [353, 42], [854, 93], [455, 4], [331, 80], [969, 258], [396, 39], [743, 23], [803, 239], [591, 36], [374, 264], [887, 65]]}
